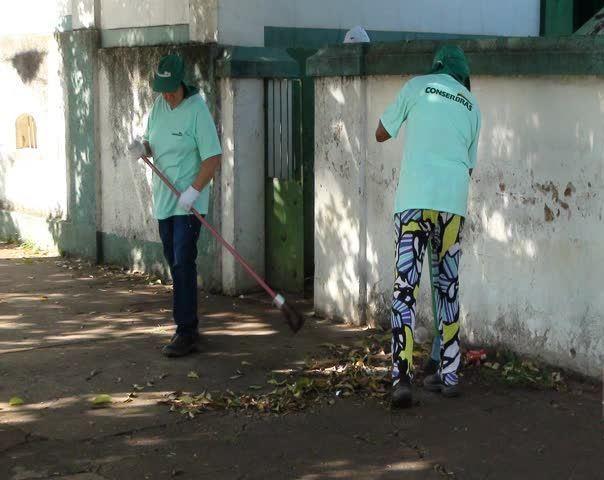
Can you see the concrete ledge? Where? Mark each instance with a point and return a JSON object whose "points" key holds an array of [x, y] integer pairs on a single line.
{"points": [[502, 56], [155, 35], [256, 62]]}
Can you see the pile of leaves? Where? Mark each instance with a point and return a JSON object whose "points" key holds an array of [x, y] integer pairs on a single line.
{"points": [[361, 369], [510, 369]]}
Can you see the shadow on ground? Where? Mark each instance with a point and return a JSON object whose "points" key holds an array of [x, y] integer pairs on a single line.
{"points": [[69, 332]]}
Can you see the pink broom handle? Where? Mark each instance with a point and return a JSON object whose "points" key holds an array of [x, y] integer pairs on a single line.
{"points": [[216, 235]]}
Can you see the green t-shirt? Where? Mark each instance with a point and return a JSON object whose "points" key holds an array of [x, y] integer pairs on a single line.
{"points": [[441, 140], [180, 140]]}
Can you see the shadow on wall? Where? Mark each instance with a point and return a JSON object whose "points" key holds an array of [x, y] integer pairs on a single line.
{"points": [[126, 205], [339, 206], [534, 213], [74, 231], [535, 210], [78, 229]]}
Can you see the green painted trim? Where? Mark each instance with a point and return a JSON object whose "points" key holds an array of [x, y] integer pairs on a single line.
{"points": [[156, 35], [510, 56], [134, 254], [74, 239], [291, 37], [79, 51], [594, 26], [148, 257], [256, 62], [557, 17]]}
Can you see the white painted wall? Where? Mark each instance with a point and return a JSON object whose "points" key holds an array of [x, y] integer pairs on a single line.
{"points": [[243, 22], [143, 13], [242, 179], [32, 16], [526, 283], [126, 202], [33, 180]]}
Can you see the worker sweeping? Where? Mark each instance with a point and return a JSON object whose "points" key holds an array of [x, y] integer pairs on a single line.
{"points": [[181, 137], [441, 140]]}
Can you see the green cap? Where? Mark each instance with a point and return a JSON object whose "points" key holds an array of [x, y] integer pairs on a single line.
{"points": [[170, 74], [451, 59]]}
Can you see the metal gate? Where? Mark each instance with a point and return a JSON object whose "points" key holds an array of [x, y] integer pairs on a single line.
{"points": [[284, 188]]}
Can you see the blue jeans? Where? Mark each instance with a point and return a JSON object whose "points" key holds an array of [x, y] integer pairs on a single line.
{"points": [[179, 235]]}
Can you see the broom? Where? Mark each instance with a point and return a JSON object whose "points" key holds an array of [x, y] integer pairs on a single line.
{"points": [[294, 319]]}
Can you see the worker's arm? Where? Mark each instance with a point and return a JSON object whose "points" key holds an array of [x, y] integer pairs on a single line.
{"points": [[381, 135], [206, 172], [187, 198], [210, 152]]}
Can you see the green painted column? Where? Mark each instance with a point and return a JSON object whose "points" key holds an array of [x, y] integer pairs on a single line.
{"points": [[557, 17], [77, 235]]}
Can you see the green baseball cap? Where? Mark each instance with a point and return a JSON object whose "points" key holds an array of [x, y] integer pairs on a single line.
{"points": [[170, 74], [451, 59]]}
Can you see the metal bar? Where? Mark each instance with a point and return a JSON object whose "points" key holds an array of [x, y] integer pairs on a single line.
{"points": [[270, 158], [290, 125], [280, 127]]}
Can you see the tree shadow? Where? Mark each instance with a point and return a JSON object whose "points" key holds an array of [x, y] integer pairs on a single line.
{"points": [[533, 193]]}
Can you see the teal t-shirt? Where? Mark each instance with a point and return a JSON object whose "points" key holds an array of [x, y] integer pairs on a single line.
{"points": [[180, 140], [441, 140]]}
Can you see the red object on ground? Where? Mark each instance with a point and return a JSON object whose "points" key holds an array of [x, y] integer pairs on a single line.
{"points": [[476, 356]]}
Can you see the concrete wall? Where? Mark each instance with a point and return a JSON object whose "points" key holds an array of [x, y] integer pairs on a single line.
{"points": [[34, 17], [125, 97], [534, 234], [143, 13], [33, 181], [242, 23], [243, 179]]}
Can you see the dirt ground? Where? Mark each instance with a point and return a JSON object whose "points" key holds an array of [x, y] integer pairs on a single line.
{"points": [[70, 332]]}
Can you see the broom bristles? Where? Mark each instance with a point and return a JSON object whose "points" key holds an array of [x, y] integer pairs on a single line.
{"points": [[294, 319]]}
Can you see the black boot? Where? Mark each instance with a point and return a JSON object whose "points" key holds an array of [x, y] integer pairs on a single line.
{"points": [[434, 383], [180, 345], [401, 394], [430, 366]]}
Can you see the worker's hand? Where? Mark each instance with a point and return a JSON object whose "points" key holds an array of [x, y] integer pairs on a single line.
{"points": [[188, 198], [136, 149]]}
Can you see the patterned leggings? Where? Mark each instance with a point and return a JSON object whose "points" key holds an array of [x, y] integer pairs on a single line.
{"points": [[416, 230]]}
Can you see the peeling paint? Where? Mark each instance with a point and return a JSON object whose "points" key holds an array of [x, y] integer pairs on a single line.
{"points": [[549, 215], [570, 189]]}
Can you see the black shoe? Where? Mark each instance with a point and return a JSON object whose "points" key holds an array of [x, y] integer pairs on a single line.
{"points": [[434, 383], [430, 366], [181, 345], [401, 396]]}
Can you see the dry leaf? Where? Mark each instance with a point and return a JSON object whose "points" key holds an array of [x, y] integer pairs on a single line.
{"points": [[102, 400], [15, 402]]}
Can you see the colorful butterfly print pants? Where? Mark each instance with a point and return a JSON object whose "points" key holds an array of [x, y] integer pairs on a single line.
{"points": [[416, 231]]}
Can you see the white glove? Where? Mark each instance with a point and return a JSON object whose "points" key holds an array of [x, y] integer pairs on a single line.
{"points": [[188, 198], [136, 149]]}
